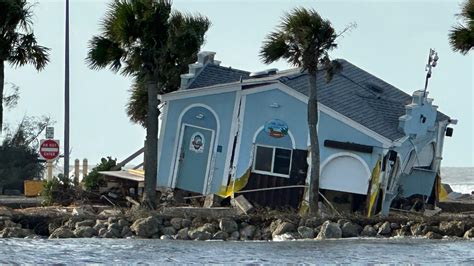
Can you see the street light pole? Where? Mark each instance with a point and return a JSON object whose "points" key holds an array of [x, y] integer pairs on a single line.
{"points": [[66, 97]]}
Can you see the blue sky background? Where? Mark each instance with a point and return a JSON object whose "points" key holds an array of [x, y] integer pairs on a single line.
{"points": [[391, 41]]}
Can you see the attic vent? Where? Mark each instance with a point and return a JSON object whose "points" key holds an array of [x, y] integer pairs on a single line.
{"points": [[375, 88], [264, 73]]}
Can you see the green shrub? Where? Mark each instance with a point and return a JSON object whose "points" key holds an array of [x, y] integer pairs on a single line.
{"points": [[94, 180], [58, 190]]}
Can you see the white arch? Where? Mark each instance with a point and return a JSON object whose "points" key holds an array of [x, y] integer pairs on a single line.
{"points": [[344, 187], [174, 166], [262, 128]]}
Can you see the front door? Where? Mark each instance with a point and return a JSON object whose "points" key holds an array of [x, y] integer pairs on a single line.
{"points": [[196, 144]]}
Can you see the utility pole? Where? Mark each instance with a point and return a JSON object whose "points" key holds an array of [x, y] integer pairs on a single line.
{"points": [[66, 97]]}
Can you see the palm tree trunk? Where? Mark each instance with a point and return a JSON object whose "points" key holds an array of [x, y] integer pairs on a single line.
{"points": [[314, 145], [2, 84], [151, 147]]}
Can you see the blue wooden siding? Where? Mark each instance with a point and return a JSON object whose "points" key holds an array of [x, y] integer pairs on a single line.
{"points": [[330, 128], [258, 110], [223, 105]]}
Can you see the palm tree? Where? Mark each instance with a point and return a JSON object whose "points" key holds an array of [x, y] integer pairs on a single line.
{"points": [[304, 39], [461, 36], [146, 40], [18, 45]]}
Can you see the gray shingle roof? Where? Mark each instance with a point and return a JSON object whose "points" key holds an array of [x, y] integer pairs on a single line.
{"points": [[214, 74], [352, 92]]}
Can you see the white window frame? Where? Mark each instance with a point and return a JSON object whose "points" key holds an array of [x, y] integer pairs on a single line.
{"points": [[273, 161]]}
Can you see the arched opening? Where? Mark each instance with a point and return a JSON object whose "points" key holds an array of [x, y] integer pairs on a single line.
{"points": [[345, 172], [198, 131]]}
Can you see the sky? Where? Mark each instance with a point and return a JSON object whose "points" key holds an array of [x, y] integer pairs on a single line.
{"points": [[391, 41]]}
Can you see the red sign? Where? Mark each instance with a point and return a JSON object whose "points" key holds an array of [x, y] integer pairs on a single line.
{"points": [[49, 149]]}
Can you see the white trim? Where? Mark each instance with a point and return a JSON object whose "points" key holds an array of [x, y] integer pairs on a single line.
{"points": [[181, 94], [342, 154], [240, 121], [164, 114], [273, 161], [233, 132], [178, 141], [209, 157], [293, 146]]}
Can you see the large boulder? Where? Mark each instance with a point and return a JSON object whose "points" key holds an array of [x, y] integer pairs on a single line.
{"points": [[368, 231], [350, 229], [385, 229], [62, 232], [146, 227], [283, 227], [84, 231], [452, 228], [306, 232], [469, 233], [199, 234], [186, 223], [330, 230], [228, 225], [112, 233], [220, 235], [234, 236], [433, 235], [418, 229], [122, 223], [126, 232], [88, 222], [182, 234], [115, 226], [6, 212], [169, 231], [177, 223], [247, 232], [15, 232], [210, 228]]}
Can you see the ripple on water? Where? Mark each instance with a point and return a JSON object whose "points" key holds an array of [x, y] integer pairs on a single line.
{"points": [[133, 251]]}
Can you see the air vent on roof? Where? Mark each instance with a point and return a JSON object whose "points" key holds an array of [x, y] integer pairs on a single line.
{"points": [[264, 73], [375, 88]]}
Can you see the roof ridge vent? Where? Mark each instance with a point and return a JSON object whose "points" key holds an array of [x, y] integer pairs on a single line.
{"points": [[264, 73]]}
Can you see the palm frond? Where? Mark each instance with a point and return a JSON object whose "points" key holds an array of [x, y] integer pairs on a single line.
{"points": [[274, 47], [461, 39], [301, 38], [136, 110], [461, 36], [104, 52], [26, 50]]}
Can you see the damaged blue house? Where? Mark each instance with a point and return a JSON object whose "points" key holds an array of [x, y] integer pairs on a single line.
{"points": [[231, 130]]}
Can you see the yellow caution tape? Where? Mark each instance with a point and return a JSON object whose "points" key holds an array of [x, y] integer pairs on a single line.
{"points": [[442, 193], [374, 187], [235, 185]]}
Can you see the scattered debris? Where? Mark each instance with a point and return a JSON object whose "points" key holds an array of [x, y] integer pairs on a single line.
{"points": [[242, 204]]}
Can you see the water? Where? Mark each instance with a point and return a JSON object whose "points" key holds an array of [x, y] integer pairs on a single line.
{"points": [[132, 251], [461, 179]]}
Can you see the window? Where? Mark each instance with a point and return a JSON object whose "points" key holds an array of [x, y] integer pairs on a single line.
{"points": [[272, 160]]}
